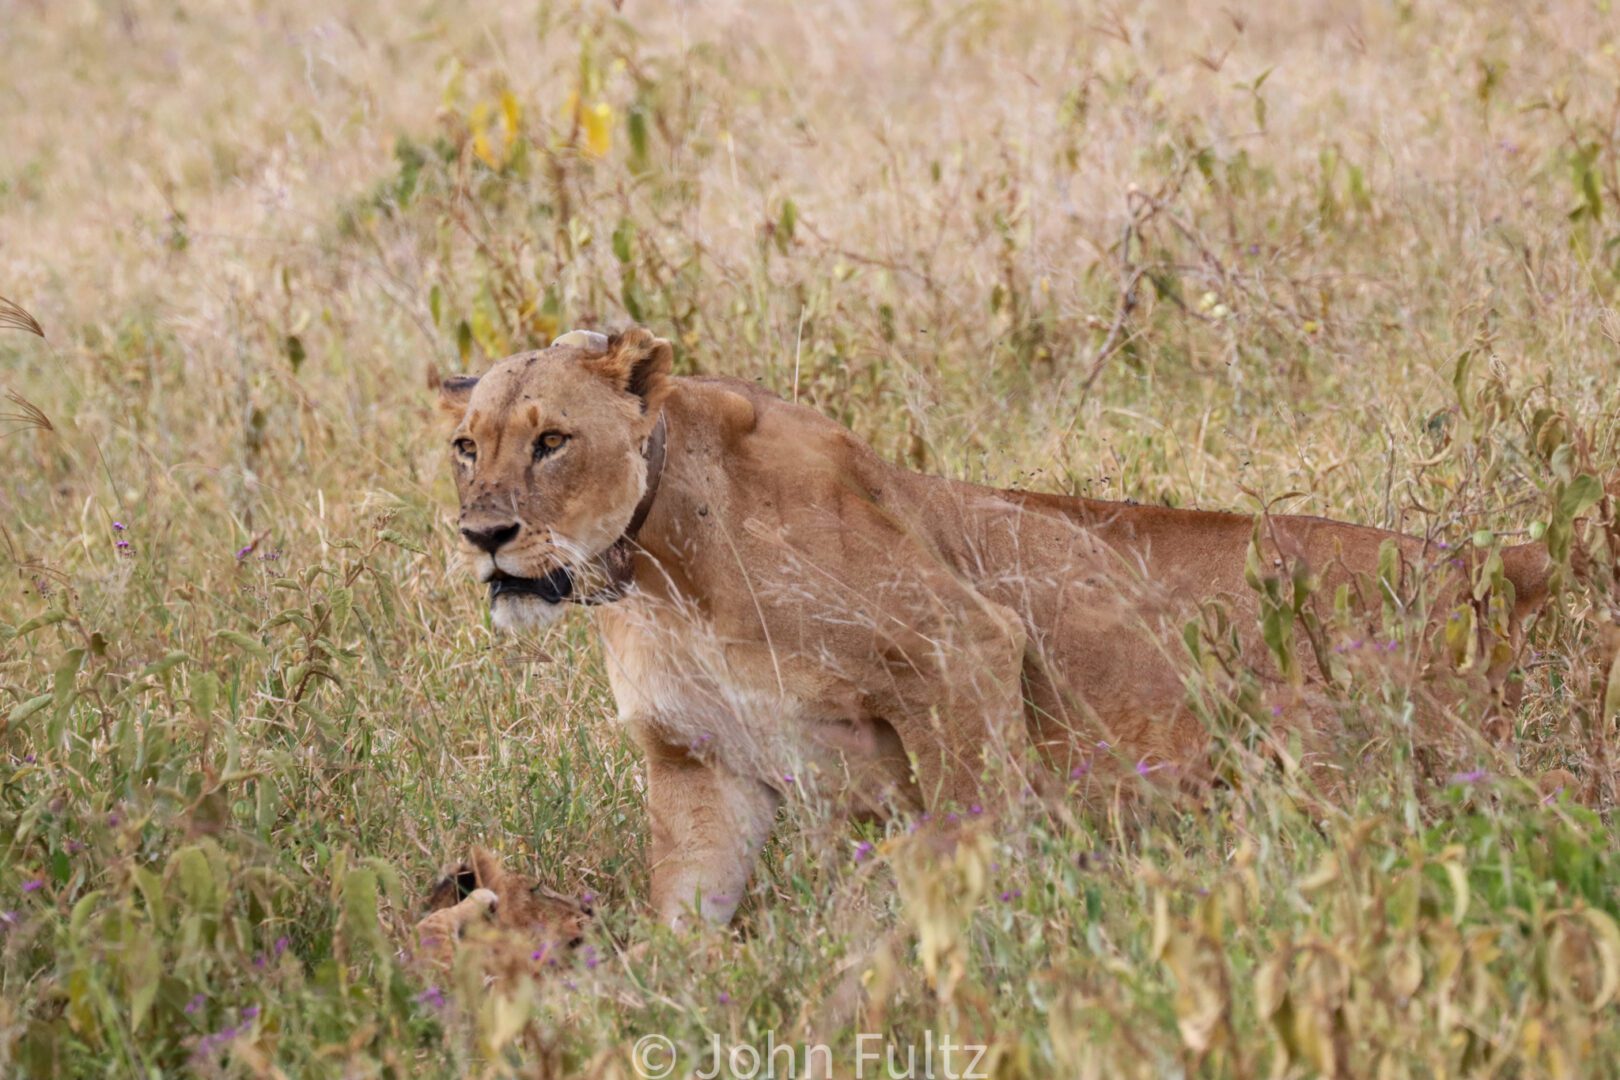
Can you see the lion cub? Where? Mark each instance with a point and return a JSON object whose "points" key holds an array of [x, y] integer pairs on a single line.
{"points": [[517, 924]]}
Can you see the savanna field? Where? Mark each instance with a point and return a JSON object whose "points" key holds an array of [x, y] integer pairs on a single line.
{"points": [[1353, 259]]}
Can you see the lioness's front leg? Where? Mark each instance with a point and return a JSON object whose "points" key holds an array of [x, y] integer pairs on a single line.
{"points": [[708, 825], [955, 696]]}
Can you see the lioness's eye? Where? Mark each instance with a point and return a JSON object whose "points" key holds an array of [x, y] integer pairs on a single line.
{"points": [[549, 442], [466, 448]]}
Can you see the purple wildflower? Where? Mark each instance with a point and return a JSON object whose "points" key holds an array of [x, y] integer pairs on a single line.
{"points": [[591, 959], [210, 1043], [1472, 776], [725, 998], [787, 778], [244, 552], [113, 819], [281, 945], [1276, 710], [197, 1001], [34, 885], [1010, 895], [118, 526], [1080, 770], [863, 851], [250, 1013], [587, 898], [432, 997], [122, 545], [975, 809]]}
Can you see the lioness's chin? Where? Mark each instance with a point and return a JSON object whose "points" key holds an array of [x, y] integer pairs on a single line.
{"points": [[516, 613]]}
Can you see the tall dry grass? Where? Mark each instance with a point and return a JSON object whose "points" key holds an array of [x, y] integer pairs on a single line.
{"points": [[1356, 260]]}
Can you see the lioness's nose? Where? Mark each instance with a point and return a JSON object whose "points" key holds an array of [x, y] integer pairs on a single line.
{"points": [[490, 539]]}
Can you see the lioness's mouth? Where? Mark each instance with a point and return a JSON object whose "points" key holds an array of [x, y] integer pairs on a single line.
{"points": [[554, 588]]}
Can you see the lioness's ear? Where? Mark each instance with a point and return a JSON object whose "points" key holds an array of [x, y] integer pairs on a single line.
{"points": [[454, 393], [638, 363]]}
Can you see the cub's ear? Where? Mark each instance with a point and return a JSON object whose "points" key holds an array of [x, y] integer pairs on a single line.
{"points": [[454, 393], [637, 363], [487, 867]]}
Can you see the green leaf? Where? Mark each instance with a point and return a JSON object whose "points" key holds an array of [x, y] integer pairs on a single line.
{"points": [[50, 618], [190, 868], [623, 236], [204, 693], [80, 916], [360, 907], [786, 223], [143, 974], [638, 139], [28, 708], [244, 642], [295, 352], [160, 667], [399, 540], [1579, 496], [1459, 381], [151, 887]]}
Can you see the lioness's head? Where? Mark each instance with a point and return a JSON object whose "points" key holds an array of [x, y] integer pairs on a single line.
{"points": [[549, 463]]}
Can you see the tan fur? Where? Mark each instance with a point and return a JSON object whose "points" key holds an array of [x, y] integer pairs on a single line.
{"points": [[439, 933], [808, 617], [516, 923]]}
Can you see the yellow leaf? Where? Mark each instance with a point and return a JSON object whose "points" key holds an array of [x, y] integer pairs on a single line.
{"points": [[1325, 874], [478, 122], [504, 1016], [1459, 886], [598, 120], [511, 121], [1607, 935], [452, 86]]}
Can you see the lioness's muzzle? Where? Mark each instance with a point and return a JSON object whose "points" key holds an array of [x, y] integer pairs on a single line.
{"points": [[554, 588]]}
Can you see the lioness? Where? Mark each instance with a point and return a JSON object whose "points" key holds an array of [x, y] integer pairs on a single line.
{"points": [[780, 608]]}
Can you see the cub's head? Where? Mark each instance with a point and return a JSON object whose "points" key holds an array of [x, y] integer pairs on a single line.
{"points": [[549, 464]]}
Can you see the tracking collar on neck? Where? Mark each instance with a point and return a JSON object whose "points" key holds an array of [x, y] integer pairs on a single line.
{"points": [[615, 561], [654, 453]]}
